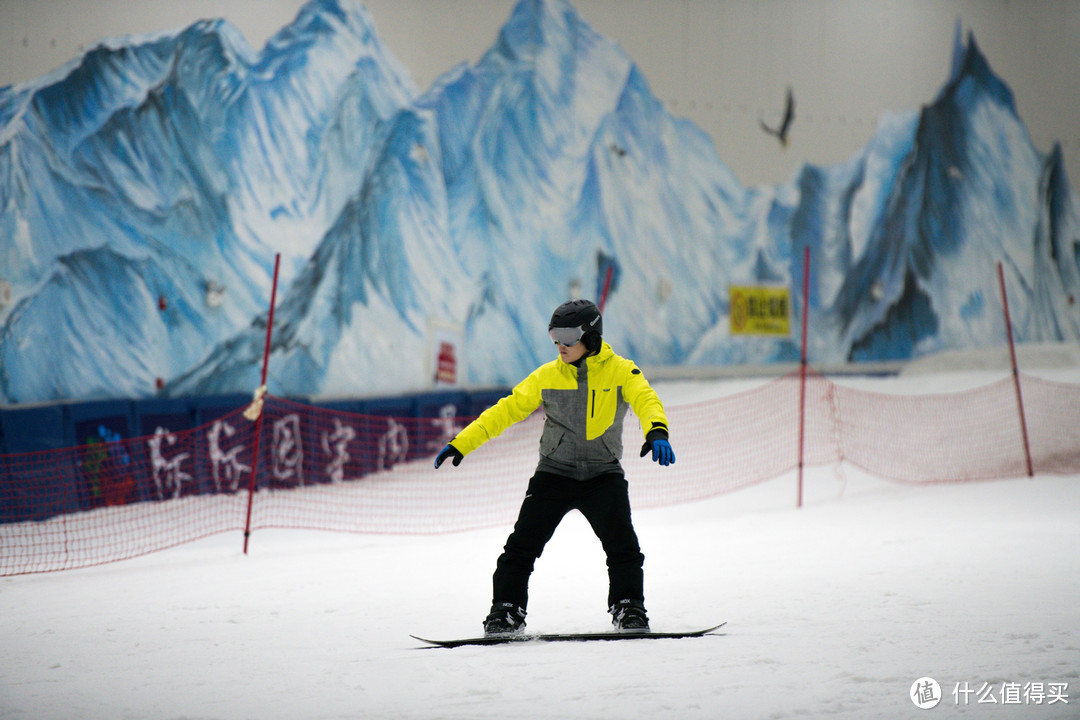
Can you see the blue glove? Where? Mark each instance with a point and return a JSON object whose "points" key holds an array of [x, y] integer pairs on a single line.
{"points": [[449, 451], [661, 450]]}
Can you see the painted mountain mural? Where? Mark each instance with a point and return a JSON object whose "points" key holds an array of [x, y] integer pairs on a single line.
{"points": [[146, 187]]}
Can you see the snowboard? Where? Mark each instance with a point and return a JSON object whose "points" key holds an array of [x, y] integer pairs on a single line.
{"points": [[568, 637]]}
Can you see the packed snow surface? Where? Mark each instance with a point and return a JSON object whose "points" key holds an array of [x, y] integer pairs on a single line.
{"points": [[833, 610]]}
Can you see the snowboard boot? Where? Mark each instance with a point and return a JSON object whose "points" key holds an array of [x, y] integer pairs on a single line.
{"points": [[629, 616], [504, 619]]}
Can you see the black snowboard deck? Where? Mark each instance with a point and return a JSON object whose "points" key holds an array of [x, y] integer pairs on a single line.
{"points": [[568, 637]]}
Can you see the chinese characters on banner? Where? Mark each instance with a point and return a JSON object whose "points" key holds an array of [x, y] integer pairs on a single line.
{"points": [[299, 448]]}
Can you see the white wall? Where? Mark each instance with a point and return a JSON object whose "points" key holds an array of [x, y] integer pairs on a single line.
{"points": [[722, 63]]}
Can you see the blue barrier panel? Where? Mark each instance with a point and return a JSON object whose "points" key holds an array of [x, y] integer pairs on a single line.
{"points": [[355, 407], [107, 471], [481, 400], [169, 454], [171, 414], [38, 484], [211, 407], [440, 417], [31, 429]]}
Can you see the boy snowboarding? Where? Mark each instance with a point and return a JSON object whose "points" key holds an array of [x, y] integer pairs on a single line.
{"points": [[585, 394]]}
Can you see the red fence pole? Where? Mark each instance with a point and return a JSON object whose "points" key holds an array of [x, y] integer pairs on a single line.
{"points": [[802, 366], [607, 287], [1015, 372], [259, 419]]}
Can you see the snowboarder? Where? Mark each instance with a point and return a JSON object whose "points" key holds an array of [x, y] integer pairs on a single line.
{"points": [[585, 394]]}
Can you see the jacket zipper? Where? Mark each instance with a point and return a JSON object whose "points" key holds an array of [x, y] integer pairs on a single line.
{"points": [[592, 408]]}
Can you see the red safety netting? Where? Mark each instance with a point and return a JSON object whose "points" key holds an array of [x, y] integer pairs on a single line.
{"points": [[321, 469]]}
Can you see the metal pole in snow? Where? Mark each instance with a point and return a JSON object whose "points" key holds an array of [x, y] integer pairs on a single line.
{"points": [[802, 366], [259, 419], [1015, 372]]}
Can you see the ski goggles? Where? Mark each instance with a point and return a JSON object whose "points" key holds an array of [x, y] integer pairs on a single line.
{"points": [[566, 336]]}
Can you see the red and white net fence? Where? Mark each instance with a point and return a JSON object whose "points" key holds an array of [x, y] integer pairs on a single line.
{"points": [[322, 469]]}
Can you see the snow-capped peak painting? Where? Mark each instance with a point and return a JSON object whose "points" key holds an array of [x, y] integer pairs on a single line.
{"points": [[146, 186]]}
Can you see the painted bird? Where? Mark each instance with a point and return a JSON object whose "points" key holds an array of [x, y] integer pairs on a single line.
{"points": [[789, 114]]}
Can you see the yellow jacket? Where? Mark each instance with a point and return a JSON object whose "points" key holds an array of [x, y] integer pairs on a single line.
{"points": [[584, 408]]}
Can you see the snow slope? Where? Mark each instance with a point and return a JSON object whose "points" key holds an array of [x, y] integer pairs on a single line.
{"points": [[834, 610]]}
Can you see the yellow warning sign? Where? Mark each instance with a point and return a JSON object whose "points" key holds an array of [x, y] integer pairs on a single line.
{"points": [[760, 310]]}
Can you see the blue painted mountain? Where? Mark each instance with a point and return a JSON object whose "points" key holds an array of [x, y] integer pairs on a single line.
{"points": [[484, 202], [519, 171], [194, 160], [971, 191]]}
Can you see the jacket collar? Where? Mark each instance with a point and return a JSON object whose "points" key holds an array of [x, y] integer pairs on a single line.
{"points": [[591, 361], [605, 353]]}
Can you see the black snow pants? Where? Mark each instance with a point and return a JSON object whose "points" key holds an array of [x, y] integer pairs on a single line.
{"points": [[605, 503]]}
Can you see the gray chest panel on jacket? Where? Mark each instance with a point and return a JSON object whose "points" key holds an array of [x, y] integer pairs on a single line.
{"points": [[564, 448]]}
